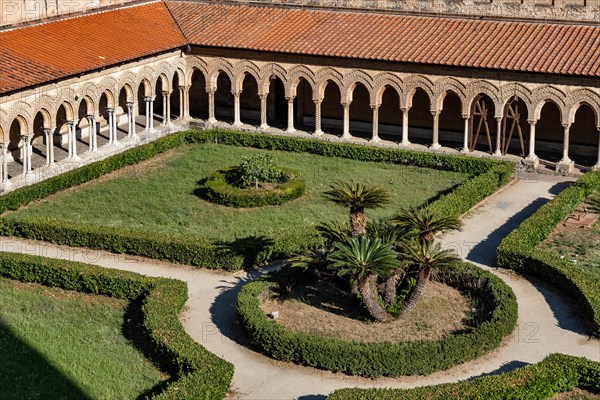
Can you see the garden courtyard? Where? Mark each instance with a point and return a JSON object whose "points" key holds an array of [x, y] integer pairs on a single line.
{"points": [[259, 333]]}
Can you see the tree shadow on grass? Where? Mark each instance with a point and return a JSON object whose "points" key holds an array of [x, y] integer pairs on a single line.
{"points": [[134, 330], [251, 248], [506, 367], [27, 374]]}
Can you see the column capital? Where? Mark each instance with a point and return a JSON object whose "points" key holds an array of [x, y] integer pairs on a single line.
{"points": [[466, 116], [498, 118], [290, 98], [317, 99], [236, 93], [149, 98], [566, 126], [48, 131], [129, 104], [90, 116], [166, 92], [532, 122], [435, 112], [211, 90], [110, 110], [345, 104], [74, 122], [404, 109], [375, 106], [184, 87]]}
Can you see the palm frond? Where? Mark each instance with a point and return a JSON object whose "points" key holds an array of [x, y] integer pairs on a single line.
{"points": [[357, 195]]}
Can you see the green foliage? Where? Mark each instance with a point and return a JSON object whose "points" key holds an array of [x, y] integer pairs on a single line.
{"points": [[390, 359], [519, 249], [357, 195], [199, 373], [218, 188], [424, 222], [489, 175], [258, 168], [427, 255], [362, 256], [554, 374]]}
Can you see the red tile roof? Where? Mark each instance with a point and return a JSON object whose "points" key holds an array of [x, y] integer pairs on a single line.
{"points": [[553, 48], [43, 52]]}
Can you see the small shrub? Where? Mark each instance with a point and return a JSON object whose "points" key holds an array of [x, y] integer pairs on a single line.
{"points": [[258, 168]]}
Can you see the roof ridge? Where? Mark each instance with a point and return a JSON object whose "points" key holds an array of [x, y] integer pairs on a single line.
{"points": [[76, 14]]}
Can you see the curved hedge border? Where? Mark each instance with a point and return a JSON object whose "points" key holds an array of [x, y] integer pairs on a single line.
{"points": [[489, 175], [218, 190], [519, 250], [200, 374], [389, 359], [554, 374]]}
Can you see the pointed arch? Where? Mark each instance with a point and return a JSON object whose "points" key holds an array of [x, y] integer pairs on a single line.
{"points": [[544, 94], [48, 104], [382, 81], [21, 109], [270, 71], [580, 97], [300, 72], [445, 85], [349, 83], [215, 67], [490, 90], [128, 78], [414, 82], [240, 69], [323, 76], [196, 63]]}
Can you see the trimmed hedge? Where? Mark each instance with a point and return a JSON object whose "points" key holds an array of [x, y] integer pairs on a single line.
{"points": [[199, 373], [217, 189], [556, 373], [489, 175], [389, 359], [519, 250]]}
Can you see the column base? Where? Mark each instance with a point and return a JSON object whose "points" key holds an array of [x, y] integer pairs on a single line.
{"points": [[290, 130], [237, 124], [565, 167], [346, 136], [531, 163], [465, 150], [211, 121], [596, 167], [497, 153], [74, 159], [318, 133], [375, 140], [435, 146], [405, 143]]}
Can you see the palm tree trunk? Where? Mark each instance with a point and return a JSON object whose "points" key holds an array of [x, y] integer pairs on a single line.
{"points": [[368, 291], [417, 291], [358, 222], [389, 288]]}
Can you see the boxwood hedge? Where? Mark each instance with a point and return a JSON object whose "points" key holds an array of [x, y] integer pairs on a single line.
{"points": [[217, 189], [519, 250], [556, 373], [388, 359], [488, 176], [199, 374]]}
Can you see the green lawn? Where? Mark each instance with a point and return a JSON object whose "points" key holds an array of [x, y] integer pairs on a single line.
{"points": [[57, 344], [158, 195]]}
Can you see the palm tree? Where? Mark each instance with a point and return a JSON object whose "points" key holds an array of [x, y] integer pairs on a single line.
{"points": [[358, 196], [424, 256], [363, 259], [424, 223]]}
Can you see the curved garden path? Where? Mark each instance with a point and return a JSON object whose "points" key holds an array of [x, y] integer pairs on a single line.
{"points": [[547, 323]]}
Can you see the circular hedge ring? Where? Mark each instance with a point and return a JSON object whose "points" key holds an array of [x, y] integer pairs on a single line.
{"points": [[499, 316], [218, 189]]}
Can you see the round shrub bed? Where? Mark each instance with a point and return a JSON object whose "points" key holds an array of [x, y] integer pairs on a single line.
{"points": [[498, 319], [218, 188]]}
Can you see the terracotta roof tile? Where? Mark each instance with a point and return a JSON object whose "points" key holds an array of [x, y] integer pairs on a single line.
{"points": [[553, 48], [43, 52]]}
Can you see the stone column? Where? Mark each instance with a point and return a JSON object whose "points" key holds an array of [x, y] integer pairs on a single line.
{"points": [[290, 124], [263, 110], [5, 164], [147, 119], [130, 121], [436, 130], [318, 131], [91, 128], [531, 155], [184, 102], [375, 129], [94, 133], [346, 131], [73, 140], [565, 165], [48, 137], [166, 108], [465, 149], [111, 132], [211, 105], [405, 141], [25, 155], [498, 152], [151, 118], [597, 166], [236, 109]]}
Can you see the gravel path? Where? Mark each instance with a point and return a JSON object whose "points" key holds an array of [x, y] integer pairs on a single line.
{"points": [[547, 322]]}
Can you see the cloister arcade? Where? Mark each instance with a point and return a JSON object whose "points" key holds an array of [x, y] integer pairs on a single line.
{"points": [[444, 113]]}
